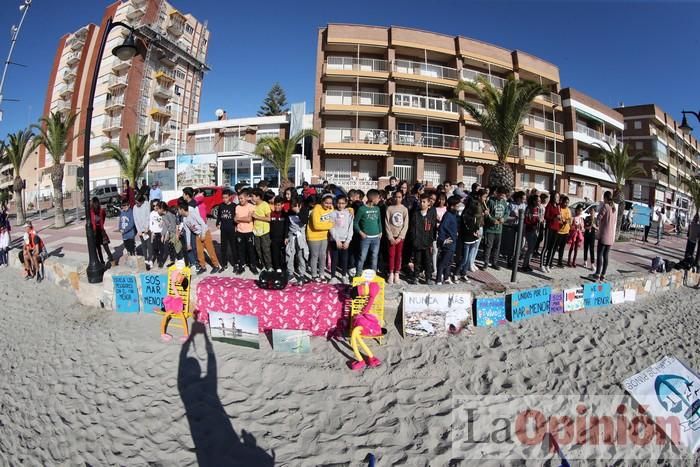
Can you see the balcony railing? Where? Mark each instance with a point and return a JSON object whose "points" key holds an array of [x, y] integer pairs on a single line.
{"points": [[62, 106], [232, 143], [114, 102], [69, 75], [552, 97], [72, 58], [439, 104], [357, 64], [542, 155], [425, 69], [473, 75], [111, 124], [542, 123], [479, 106], [356, 135], [473, 144], [116, 81], [160, 111], [376, 99], [426, 140], [163, 92], [593, 166], [590, 132], [164, 74]]}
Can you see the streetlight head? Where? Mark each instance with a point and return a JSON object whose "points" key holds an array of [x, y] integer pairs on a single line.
{"points": [[684, 125], [127, 49]]}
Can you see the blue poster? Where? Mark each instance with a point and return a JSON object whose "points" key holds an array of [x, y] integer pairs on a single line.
{"points": [[490, 311], [556, 303], [641, 215], [154, 288], [126, 294], [596, 295], [528, 303]]}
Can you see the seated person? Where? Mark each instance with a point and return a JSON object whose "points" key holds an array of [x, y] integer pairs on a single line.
{"points": [[31, 249]]}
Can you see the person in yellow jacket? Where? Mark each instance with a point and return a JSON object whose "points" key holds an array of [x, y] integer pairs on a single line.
{"points": [[320, 223], [563, 234]]}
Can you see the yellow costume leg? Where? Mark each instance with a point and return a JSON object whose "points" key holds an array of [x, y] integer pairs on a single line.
{"points": [[361, 341], [355, 338]]}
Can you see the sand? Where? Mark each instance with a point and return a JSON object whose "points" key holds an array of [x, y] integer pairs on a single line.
{"points": [[87, 386]]}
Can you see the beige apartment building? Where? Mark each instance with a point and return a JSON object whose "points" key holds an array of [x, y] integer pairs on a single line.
{"points": [[156, 95], [669, 155], [382, 108]]}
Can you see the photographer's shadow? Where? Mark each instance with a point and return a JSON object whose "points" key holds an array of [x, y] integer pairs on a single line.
{"points": [[215, 441]]}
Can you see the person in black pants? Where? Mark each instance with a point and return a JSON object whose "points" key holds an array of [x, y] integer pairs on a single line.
{"points": [[225, 221], [590, 226], [279, 228], [647, 227]]}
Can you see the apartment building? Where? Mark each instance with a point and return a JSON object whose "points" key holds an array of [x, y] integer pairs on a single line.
{"points": [[382, 108], [669, 155], [222, 152], [156, 95], [588, 126]]}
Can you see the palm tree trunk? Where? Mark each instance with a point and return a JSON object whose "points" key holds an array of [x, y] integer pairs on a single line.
{"points": [[57, 182], [285, 183], [19, 205]]}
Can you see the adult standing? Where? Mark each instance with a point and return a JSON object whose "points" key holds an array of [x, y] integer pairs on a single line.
{"points": [[647, 227], [471, 231], [552, 217], [145, 190], [607, 219], [128, 193], [142, 213], [97, 218], [660, 219], [493, 220], [155, 193]]}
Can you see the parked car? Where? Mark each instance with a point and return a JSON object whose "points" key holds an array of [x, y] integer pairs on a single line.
{"points": [[107, 194], [213, 197]]}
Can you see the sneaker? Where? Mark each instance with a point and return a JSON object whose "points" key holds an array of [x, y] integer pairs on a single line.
{"points": [[223, 268], [474, 268], [215, 270], [437, 283], [465, 278], [201, 270], [585, 264], [254, 270], [496, 267], [318, 280], [448, 281], [428, 282], [148, 267]]}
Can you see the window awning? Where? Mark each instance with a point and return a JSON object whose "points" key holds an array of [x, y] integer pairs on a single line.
{"points": [[479, 161], [587, 115], [355, 152]]}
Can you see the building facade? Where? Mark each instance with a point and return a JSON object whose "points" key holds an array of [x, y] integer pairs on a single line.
{"points": [[156, 93], [382, 108], [668, 156], [588, 126]]}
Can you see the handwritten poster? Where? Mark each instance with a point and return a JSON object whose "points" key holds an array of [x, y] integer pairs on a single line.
{"points": [[617, 296], [126, 294], [556, 303], [573, 299], [528, 303], [490, 311], [630, 295], [154, 288], [596, 295], [436, 314]]}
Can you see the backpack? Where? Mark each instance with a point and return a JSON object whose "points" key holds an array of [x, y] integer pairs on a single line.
{"points": [[272, 280]]}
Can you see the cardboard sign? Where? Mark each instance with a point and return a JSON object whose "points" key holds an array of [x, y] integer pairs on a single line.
{"points": [[528, 303], [490, 311], [556, 303], [630, 295], [573, 299], [641, 215], [596, 295], [291, 340], [126, 294], [234, 329], [668, 390], [436, 314], [617, 296], [154, 288]]}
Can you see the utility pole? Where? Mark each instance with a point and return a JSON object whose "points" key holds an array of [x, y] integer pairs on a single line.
{"points": [[24, 8]]}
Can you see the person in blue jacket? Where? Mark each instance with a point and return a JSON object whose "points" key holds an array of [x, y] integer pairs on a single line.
{"points": [[127, 227], [447, 240]]}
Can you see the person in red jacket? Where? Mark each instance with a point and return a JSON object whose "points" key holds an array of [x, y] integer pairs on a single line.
{"points": [[97, 218], [552, 218]]}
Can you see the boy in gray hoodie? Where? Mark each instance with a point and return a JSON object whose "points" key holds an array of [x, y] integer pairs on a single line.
{"points": [[341, 235], [297, 248]]}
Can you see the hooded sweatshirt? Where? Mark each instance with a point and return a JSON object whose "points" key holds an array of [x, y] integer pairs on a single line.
{"points": [[320, 222], [126, 224], [448, 229], [422, 228], [141, 217], [396, 221], [342, 225]]}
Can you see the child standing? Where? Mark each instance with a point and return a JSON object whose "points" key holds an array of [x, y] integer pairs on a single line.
{"points": [[590, 226], [396, 226], [245, 240], [532, 222], [340, 238], [171, 241], [447, 241], [225, 220], [575, 236], [368, 226], [202, 236], [4, 244], [261, 228], [127, 227], [155, 226], [320, 223], [563, 235], [422, 233], [278, 233], [297, 248]]}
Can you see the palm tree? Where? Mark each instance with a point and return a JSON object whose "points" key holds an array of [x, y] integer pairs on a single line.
{"points": [[692, 185], [17, 149], [620, 166], [53, 133], [501, 120], [279, 152], [133, 163]]}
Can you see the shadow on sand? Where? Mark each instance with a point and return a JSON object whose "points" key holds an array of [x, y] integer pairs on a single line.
{"points": [[215, 441]]}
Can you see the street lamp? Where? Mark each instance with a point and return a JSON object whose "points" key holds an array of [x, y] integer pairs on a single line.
{"points": [[125, 51], [684, 124], [14, 33]]}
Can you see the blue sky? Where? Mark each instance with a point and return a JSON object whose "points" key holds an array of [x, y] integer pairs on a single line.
{"points": [[634, 52]]}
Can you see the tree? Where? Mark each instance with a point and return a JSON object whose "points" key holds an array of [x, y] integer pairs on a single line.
{"points": [[692, 185], [134, 163], [16, 151], [620, 166], [275, 102], [52, 133], [279, 152], [501, 119]]}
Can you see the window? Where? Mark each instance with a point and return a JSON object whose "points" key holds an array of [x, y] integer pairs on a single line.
{"points": [[639, 145], [637, 124], [178, 90], [204, 145], [470, 177], [589, 191], [573, 187], [637, 191], [627, 126], [180, 74], [189, 29]]}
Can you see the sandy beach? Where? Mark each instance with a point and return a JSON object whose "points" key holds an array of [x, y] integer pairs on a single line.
{"points": [[88, 386]]}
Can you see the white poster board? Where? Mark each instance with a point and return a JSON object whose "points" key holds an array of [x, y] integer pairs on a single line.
{"points": [[670, 392], [436, 314]]}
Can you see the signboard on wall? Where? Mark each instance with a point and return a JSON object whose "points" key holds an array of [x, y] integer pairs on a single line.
{"points": [[196, 170]]}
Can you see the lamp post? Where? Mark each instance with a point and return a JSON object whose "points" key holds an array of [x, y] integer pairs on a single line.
{"points": [[125, 51], [24, 8]]}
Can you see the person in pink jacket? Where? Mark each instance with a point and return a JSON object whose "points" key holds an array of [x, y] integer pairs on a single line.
{"points": [[607, 220]]}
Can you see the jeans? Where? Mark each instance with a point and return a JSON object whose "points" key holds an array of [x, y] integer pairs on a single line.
{"points": [[4, 256], [130, 246], [228, 243], [156, 255], [647, 228], [146, 246], [444, 264], [531, 240], [493, 248], [589, 246], [339, 259], [245, 244], [659, 231], [395, 256], [317, 257], [603, 251], [469, 251], [369, 245]]}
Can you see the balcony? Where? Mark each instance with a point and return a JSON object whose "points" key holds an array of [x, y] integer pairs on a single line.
{"points": [[72, 59], [158, 112], [350, 66], [541, 155], [62, 106], [551, 98], [76, 42], [472, 145], [437, 107], [116, 82], [69, 75], [6, 181], [473, 76], [168, 59], [114, 103], [162, 92], [139, 3], [436, 74], [135, 12], [165, 76], [599, 136], [351, 101], [111, 124], [176, 26], [415, 141], [118, 65], [479, 106], [374, 138], [65, 91], [541, 124]]}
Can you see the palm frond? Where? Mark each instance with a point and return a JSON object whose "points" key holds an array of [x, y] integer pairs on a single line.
{"points": [[279, 151], [55, 133], [133, 163], [18, 148], [617, 162]]}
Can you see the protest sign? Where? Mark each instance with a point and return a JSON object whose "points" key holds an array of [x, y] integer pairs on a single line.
{"points": [[596, 295], [154, 288], [641, 215], [630, 295], [234, 329], [528, 303], [573, 299], [436, 314], [556, 303], [126, 294], [291, 340], [617, 296], [490, 311]]}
